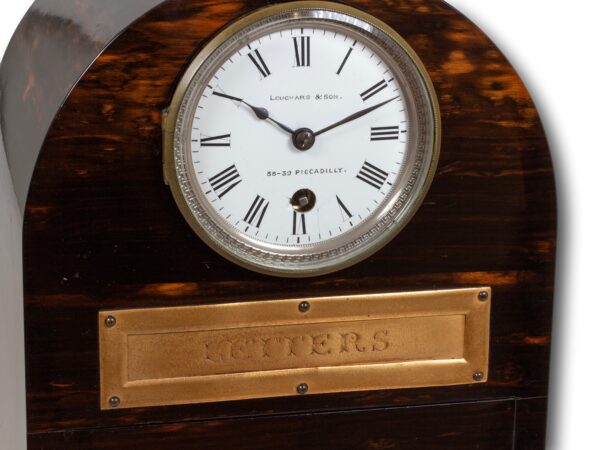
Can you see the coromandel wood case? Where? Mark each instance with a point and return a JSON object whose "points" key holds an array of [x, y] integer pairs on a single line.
{"points": [[439, 339]]}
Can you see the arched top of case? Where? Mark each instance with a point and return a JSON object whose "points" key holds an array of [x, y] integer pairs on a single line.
{"points": [[55, 43], [58, 40]]}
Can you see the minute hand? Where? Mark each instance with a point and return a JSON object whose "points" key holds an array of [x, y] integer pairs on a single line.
{"points": [[355, 116]]}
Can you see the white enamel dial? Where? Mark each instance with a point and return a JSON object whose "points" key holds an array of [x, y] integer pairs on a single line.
{"points": [[304, 140], [249, 169]]}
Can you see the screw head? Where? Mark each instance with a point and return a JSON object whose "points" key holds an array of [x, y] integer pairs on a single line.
{"points": [[478, 376], [303, 139], [302, 388], [483, 296], [304, 307], [110, 321], [114, 401]]}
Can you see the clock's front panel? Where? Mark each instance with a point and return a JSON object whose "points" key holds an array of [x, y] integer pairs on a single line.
{"points": [[297, 226]]}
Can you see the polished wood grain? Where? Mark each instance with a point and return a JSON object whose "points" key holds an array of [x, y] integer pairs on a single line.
{"points": [[530, 422], [470, 426], [102, 230], [52, 47]]}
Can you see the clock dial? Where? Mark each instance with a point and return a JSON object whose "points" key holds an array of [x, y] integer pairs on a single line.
{"points": [[249, 169], [303, 140]]}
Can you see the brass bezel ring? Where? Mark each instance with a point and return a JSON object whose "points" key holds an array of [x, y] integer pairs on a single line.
{"points": [[405, 202]]}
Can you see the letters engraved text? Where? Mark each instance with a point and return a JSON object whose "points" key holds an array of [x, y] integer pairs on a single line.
{"points": [[294, 346], [281, 347]]}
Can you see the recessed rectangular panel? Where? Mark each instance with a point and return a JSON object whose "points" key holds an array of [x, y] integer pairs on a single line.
{"points": [[199, 354]]}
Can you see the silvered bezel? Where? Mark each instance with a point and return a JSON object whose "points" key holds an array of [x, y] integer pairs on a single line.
{"points": [[394, 212]]}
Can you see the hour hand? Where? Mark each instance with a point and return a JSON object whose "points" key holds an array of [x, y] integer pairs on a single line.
{"points": [[261, 113]]}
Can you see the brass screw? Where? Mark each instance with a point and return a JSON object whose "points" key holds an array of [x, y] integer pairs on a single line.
{"points": [[114, 401], [302, 388], [483, 296], [478, 376], [110, 321], [304, 307]]}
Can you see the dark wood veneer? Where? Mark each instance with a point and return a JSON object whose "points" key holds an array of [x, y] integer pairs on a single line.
{"points": [[464, 426], [102, 231]]}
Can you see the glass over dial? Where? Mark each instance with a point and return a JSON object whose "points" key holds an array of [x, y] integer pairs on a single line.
{"points": [[304, 140]]}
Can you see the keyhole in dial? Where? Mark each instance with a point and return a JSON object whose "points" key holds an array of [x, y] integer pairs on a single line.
{"points": [[303, 200]]}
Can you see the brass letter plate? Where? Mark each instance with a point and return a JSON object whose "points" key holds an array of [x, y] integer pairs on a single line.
{"points": [[199, 354]]}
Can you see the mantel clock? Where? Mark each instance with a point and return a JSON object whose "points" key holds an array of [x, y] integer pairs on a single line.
{"points": [[265, 224]]}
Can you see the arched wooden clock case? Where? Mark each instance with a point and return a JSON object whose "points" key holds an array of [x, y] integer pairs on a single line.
{"points": [[84, 87]]}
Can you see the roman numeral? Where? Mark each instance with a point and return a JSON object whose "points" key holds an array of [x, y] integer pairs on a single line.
{"points": [[216, 141], [299, 224], [225, 181], [373, 90], [372, 175], [346, 58], [257, 211], [302, 49], [385, 133], [259, 63], [344, 210]]}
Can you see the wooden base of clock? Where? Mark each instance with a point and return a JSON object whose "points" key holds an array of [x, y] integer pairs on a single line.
{"points": [[102, 233]]}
